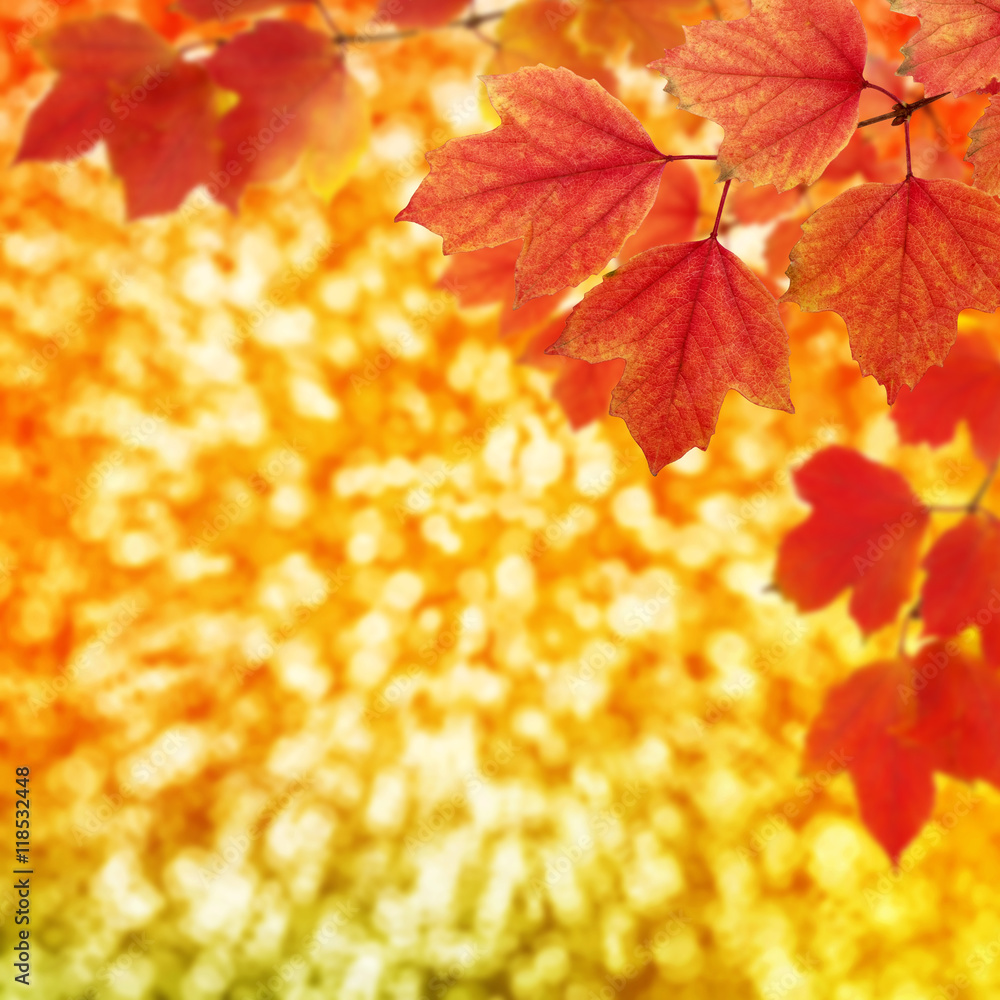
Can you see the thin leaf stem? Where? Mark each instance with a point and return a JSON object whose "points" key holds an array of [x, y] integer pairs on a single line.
{"points": [[671, 158], [906, 132], [974, 506], [881, 90], [718, 215]]}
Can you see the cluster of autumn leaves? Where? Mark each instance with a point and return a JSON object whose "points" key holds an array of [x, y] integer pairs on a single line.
{"points": [[573, 174], [571, 180], [160, 113], [897, 722]]}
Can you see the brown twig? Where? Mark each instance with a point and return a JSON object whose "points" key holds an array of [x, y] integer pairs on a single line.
{"points": [[901, 112]]}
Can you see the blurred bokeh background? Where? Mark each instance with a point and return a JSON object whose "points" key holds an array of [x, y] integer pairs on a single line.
{"points": [[345, 667]]}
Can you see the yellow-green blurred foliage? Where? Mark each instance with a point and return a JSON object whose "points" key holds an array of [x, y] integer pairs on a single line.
{"points": [[346, 670]]}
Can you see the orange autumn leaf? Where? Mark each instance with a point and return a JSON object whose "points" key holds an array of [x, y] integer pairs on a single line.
{"points": [[419, 13], [540, 31], [751, 204], [482, 277], [98, 61], [857, 729], [167, 145], [642, 28], [582, 390], [674, 214], [122, 83], [958, 713], [957, 46], [779, 245], [860, 156], [962, 588], [692, 321], [966, 388], [569, 169], [984, 150], [899, 262], [295, 99], [783, 82], [864, 533]]}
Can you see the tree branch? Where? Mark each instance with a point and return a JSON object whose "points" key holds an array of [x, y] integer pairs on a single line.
{"points": [[902, 112]]}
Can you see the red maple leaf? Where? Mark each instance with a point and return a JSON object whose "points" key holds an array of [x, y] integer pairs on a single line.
{"points": [[962, 588], [295, 98], [692, 321], [857, 728], [167, 147], [984, 150], [958, 44], [966, 388], [957, 712], [569, 169], [119, 81], [784, 82], [864, 533], [899, 262]]}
